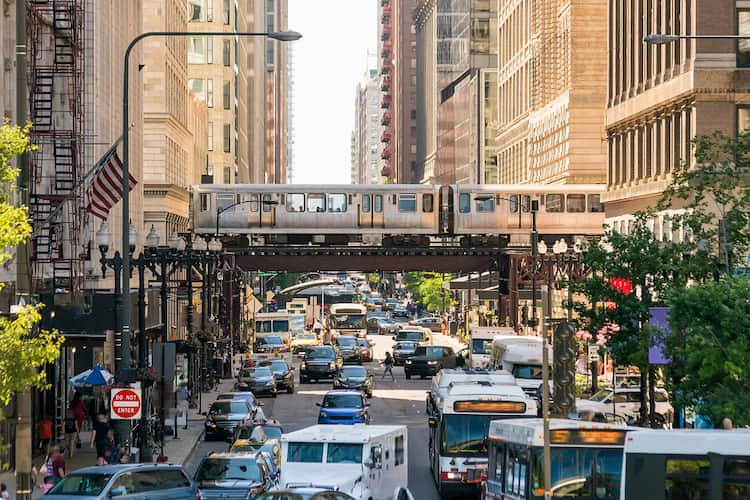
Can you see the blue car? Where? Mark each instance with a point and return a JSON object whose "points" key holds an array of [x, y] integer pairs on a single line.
{"points": [[344, 407]]}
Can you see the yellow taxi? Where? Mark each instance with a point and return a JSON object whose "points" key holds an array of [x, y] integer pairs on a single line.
{"points": [[303, 340], [262, 437]]}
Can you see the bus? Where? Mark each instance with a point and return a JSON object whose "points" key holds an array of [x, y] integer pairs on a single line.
{"points": [[586, 460], [459, 418], [687, 464], [275, 323], [347, 319]]}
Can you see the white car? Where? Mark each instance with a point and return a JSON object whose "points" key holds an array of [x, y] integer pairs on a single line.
{"points": [[626, 402]]}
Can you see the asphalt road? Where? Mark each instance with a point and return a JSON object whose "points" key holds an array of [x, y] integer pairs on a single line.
{"points": [[399, 402]]}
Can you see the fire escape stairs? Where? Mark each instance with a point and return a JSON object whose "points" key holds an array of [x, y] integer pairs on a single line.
{"points": [[62, 22], [44, 86]]}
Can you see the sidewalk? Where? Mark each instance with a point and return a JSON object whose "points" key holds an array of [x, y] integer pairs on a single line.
{"points": [[177, 450]]}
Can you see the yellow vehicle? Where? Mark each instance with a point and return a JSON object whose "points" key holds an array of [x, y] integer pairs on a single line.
{"points": [[303, 340], [263, 437]]}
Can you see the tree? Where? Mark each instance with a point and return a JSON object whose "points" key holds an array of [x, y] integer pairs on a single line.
{"points": [[23, 349], [427, 289]]}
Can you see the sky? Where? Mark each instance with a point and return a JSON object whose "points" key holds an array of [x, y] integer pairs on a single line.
{"points": [[329, 61]]}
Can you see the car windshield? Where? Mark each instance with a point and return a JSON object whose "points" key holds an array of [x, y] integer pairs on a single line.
{"points": [[481, 346], [84, 485], [405, 346], [339, 321], [354, 371], [342, 341], [270, 340], [271, 431], [227, 407], [306, 336], [272, 326], [258, 372], [228, 469], [343, 401], [527, 371], [430, 352], [413, 336], [322, 353], [277, 365], [341, 453], [573, 475], [462, 434], [601, 396]]}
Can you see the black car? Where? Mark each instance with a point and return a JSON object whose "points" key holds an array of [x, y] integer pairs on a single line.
{"points": [[321, 361], [233, 475], [389, 304], [428, 360], [282, 373], [402, 351], [269, 344], [224, 416], [349, 348], [400, 312], [354, 377], [258, 379]]}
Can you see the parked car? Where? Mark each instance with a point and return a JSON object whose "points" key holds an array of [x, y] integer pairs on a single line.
{"points": [[157, 481], [224, 416], [311, 493], [349, 348], [320, 362], [626, 402], [343, 407], [402, 351], [354, 377], [283, 374], [433, 323], [269, 344], [365, 349], [225, 475], [258, 379], [428, 360], [303, 341]]}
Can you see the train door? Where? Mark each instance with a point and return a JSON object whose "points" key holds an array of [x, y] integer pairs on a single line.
{"points": [[253, 214], [519, 208], [364, 211], [378, 202]]}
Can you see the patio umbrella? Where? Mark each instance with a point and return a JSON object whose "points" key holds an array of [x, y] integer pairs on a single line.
{"points": [[92, 377]]}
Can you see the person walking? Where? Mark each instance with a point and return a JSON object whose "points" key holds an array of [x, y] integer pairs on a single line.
{"points": [[70, 428], [79, 412], [99, 435], [388, 364]]}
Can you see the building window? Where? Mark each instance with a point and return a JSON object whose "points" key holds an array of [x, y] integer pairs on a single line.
{"points": [[196, 12], [226, 52], [269, 6], [227, 175], [210, 134], [209, 10], [269, 52], [197, 50], [269, 22], [210, 93], [743, 46], [196, 87], [743, 119], [227, 138], [226, 11], [226, 94], [210, 50]]}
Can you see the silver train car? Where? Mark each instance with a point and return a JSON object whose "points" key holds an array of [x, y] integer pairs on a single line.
{"points": [[395, 214]]}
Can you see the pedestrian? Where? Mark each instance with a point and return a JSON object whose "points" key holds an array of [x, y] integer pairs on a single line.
{"points": [[77, 407], [99, 434], [4, 492], [45, 432], [70, 431], [54, 465], [388, 364]]}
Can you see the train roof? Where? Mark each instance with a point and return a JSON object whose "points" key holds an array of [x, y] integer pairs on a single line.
{"points": [[530, 188], [291, 188], [690, 442]]}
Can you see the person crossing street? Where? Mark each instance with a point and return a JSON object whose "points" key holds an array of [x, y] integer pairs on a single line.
{"points": [[388, 364]]}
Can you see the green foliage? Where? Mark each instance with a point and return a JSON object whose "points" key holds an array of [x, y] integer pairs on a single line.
{"points": [[711, 347], [14, 223], [427, 289]]}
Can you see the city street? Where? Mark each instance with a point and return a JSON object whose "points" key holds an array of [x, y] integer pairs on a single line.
{"points": [[401, 402]]}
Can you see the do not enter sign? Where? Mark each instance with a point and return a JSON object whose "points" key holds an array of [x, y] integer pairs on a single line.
{"points": [[125, 404]]}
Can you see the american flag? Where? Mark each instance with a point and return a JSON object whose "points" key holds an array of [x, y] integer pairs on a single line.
{"points": [[106, 188]]}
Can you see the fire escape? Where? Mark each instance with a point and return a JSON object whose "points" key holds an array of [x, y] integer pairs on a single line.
{"points": [[57, 194]]}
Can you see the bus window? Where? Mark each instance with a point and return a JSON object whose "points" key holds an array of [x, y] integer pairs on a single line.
{"points": [[687, 478], [554, 203], [485, 205], [513, 203], [607, 473], [366, 203], [736, 478], [267, 205], [595, 204], [427, 200], [337, 203], [576, 203], [407, 202], [464, 203], [378, 202], [316, 202], [570, 474], [295, 202]]}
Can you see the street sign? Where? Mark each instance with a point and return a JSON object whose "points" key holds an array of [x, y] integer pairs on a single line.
{"points": [[125, 404], [593, 352]]}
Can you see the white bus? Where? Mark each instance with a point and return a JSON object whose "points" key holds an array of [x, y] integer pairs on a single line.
{"points": [[459, 418], [480, 343], [369, 462], [687, 464], [275, 323], [347, 319], [522, 357], [586, 460]]}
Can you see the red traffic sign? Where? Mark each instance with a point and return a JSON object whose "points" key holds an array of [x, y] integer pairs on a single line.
{"points": [[125, 404]]}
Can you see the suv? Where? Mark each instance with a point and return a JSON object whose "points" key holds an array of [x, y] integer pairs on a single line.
{"points": [[235, 475], [224, 416], [434, 324], [283, 374], [344, 407], [158, 481], [349, 348], [418, 335], [257, 379], [319, 362], [428, 360], [269, 344]]}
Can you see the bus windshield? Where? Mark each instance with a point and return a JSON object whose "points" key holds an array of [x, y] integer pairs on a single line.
{"points": [[272, 326], [481, 346], [464, 434], [573, 475], [533, 372], [342, 321]]}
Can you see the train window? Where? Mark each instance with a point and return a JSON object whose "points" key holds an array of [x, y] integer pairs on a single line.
{"points": [[204, 202], [525, 203], [316, 202], [337, 202], [366, 203], [554, 203], [253, 202], [595, 204], [407, 202], [464, 203], [267, 203], [427, 202], [378, 203], [575, 203], [295, 202], [485, 204], [513, 202], [224, 200]]}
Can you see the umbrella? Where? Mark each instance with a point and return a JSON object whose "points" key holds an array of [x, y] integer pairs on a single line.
{"points": [[95, 376]]}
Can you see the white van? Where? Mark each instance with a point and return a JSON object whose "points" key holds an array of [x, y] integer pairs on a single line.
{"points": [[364, 461], [480, 343]]}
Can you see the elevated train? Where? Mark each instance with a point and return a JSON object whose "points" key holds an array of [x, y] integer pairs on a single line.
{"points": [[396, 214]]}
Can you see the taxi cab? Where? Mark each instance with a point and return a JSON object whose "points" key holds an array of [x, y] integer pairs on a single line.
{"points": [[304, 340], [259, 438]]}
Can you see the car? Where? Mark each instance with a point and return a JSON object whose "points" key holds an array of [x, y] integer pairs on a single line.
{"points": [[429, 360], [382, 326], [264, 438], [626, 402], [302, 341], [400, 312], [402, 351], [305, 493], [269, 344], [354, 377], [224, 416], [349, 348], [320, 362], [420, 335], [343, 407], [389, 304], [283, 374], [365, 349], [102, 482], [233, 475], [245, 396], [433, 323], [258, 379]]}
